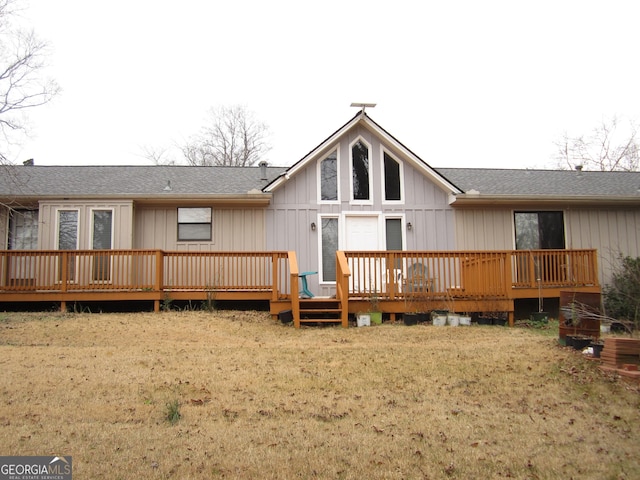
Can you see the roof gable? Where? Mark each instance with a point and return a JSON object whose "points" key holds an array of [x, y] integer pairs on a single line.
{"points": [[362, 119]]}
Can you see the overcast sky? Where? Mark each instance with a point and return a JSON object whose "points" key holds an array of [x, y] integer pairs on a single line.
{"points": [[461, 83]]}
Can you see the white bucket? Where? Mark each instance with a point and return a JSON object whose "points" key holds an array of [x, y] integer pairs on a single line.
{"points": [[363, 320], [453, 320], [465, 320], [439, 320]]}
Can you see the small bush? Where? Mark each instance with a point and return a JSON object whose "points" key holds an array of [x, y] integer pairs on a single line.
{"points": [[622, 296], [172, 413]]}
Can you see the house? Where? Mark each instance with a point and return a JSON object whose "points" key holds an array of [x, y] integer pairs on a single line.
{"points": [[359, 205]]}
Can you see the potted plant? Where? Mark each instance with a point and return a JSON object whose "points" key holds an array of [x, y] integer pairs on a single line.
{"points": [[375, 311], [415, 311]]}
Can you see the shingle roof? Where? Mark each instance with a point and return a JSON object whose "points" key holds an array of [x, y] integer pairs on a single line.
{"points": [[563, 183], [77, 181]]}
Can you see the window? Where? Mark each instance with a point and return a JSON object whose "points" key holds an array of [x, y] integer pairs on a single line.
{"points": [[393, 232], [329, 247], [360, 171], [391, 178], [102, 240], [23, 230], [329, 178], [194, 224], [67, 229], [68, 240], [539, 230], [102, 227]]}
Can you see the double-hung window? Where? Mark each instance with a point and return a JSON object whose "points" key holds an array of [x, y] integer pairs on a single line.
{"points": [[194, 224]]}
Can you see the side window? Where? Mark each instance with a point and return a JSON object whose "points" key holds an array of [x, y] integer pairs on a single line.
{"points": [[68, 240], [102, 240], [360, 172], [329, 236], [392, 190], [329, 178], [102, 229], [539, 230], [67, 229], [23, 230], [194, 224]]}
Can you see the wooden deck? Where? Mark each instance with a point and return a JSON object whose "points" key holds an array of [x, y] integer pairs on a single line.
{"points": [[397, 281]]}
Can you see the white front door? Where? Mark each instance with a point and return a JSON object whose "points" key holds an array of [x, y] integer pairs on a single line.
{"points": [[362, 232]]}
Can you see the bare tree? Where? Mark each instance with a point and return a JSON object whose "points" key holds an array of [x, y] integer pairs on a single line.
{"points": [[232, 137], [158, 155], [22, 61], [606, 148]]}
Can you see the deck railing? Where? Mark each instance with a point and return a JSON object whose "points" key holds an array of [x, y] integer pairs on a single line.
{"points": [[143, 270], [387, 275], [466, 274]]}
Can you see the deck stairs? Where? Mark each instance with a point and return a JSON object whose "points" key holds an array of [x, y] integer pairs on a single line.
{"points": [[319, 310]]}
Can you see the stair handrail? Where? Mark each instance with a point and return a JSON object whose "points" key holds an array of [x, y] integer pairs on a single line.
{"points": [[343, 272], [294, 272]]}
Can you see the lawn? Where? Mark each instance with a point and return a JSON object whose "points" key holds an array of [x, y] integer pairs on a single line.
{"points": [[238, 395]]}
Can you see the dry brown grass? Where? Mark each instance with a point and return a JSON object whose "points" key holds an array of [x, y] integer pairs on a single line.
{"points": [[263, 400]]}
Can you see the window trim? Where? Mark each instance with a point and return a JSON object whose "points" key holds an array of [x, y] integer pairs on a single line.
{"points": [[178, 223], [72, 274], [10, 227], [92, 219], [383, 191], [338, 218], [403, 228], [538, 211], [319, 174], [78, 225], [352, 200]]}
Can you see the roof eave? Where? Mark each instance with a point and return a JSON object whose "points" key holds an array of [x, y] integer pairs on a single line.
{"points": [[248, 199], [471, 199]]}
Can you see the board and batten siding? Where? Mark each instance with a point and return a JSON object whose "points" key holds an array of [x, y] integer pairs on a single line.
{"points": [[233, 229], [295, 206], [122, 222], [612, 231], [4, 227]]}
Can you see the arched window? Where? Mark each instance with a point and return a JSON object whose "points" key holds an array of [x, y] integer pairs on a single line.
{"points": [[392, 191], [329, 177], [360, 171]]}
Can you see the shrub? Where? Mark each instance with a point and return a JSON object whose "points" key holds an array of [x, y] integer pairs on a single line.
{"points": [[622, 296]]}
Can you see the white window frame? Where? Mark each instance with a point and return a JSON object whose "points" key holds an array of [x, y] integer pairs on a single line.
{"points": [[384, 151], [77, 246], [319, 175], [339, 218], [57, 230], [178, 223], [113, 221], [403, 226], [353, 201]]}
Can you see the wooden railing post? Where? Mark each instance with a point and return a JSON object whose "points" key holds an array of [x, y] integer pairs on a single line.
{"points": [[295, 299], [342, 286], [275, 264], [159, 282]]}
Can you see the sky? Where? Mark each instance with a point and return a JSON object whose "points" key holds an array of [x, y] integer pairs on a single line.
{"points": [[461, 83]]}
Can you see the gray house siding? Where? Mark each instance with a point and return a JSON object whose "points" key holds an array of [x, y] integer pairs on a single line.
{"points": [[296, 206], [612, 231]]}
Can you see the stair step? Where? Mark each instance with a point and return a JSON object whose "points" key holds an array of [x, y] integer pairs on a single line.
{"points": [[320, 320], [323, 310]]}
